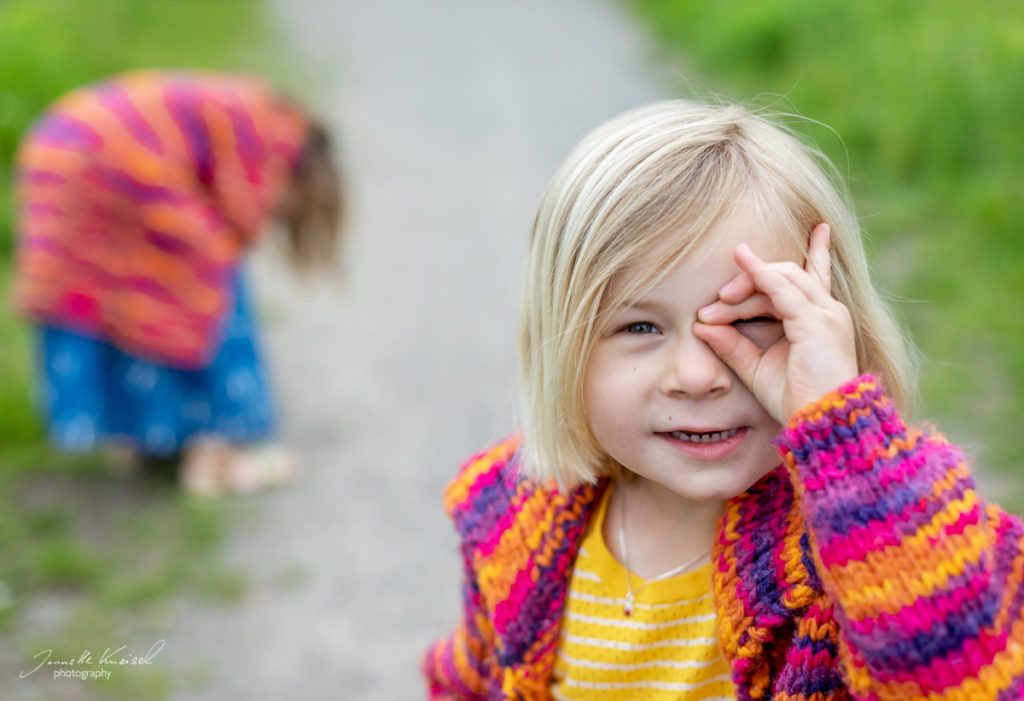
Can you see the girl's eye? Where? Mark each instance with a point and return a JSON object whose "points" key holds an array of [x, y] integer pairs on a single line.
{"points": [[764, 331], [640, 327]]}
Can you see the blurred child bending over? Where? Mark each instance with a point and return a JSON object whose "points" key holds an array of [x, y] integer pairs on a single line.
{"points": [[138, 199]]}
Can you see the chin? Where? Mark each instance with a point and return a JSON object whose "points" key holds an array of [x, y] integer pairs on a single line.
{"points": [[709, 494], [715, 490]]}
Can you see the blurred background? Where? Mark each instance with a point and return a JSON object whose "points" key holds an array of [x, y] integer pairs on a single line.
{"points": [[450, 118]]}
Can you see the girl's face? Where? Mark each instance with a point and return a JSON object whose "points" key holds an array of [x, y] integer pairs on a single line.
{"points": [[659, 401]]}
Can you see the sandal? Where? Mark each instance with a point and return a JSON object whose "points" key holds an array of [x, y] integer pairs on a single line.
{"points": [[214, 469], [256, 469]]}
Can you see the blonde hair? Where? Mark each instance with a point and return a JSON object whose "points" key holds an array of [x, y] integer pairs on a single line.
{"points": [[654, 181]]}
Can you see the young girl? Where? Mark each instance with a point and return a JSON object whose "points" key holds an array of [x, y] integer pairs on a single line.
{"points": [[715, 496], [137, 199]]}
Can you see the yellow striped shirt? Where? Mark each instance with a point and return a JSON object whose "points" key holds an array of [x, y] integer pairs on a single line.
{"points": [[668, 648]]}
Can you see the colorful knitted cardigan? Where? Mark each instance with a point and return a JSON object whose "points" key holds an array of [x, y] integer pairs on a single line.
{"points": [[864, 567], [136, 198]]}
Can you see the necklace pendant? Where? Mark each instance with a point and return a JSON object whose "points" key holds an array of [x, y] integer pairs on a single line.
{"points": [[628, 608]]}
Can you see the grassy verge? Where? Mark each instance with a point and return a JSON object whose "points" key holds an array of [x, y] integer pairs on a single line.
{"points": [[923, 96], [90, 559]]}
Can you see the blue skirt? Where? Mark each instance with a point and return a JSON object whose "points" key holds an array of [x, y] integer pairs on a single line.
{"points": [[92, 392]]}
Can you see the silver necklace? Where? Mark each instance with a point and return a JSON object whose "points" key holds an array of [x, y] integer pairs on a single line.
{"points": [[631, 593]]}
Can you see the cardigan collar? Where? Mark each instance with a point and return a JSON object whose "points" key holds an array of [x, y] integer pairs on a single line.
{"points": [[764, 580], [548, 528]]}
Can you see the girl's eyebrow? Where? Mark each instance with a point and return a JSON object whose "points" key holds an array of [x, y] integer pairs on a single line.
{"points": [[650, 304], [643, 304]]}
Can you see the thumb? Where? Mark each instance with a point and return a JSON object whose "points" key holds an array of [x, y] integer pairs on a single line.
{"points": [[737, 351]]}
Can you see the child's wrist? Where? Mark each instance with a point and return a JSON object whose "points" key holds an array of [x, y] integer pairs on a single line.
{"points": [[851, 413], [861, 386]]}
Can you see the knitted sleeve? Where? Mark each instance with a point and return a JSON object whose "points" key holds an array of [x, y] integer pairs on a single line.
{"points": [[926, 577]]}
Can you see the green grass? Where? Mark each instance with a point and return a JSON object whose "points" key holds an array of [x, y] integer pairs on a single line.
{"points": [[103, 558], [925, 98], [18, 426], [100, 557]]}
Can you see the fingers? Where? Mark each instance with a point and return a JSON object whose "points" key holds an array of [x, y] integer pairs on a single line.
{"points": [[722, 312], [819, 260], [737, 289], [813, 279], [735, 350], [781, 281], [789, 364]]}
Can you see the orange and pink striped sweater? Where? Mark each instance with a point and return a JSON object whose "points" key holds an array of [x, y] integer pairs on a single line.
{"points": [[137, 197], [866, 567]]}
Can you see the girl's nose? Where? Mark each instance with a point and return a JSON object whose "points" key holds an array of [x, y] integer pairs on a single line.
{"points": [[693, 369]]}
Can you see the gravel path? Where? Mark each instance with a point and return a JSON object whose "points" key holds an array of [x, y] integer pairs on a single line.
{"points": [[453, 115]]}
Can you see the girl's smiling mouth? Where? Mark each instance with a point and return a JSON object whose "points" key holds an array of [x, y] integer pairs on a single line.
{"points": [[709, 445], [705, 436]]}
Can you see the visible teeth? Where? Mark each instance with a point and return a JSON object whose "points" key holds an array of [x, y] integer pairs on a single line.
{"points": [[706, 437]]}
